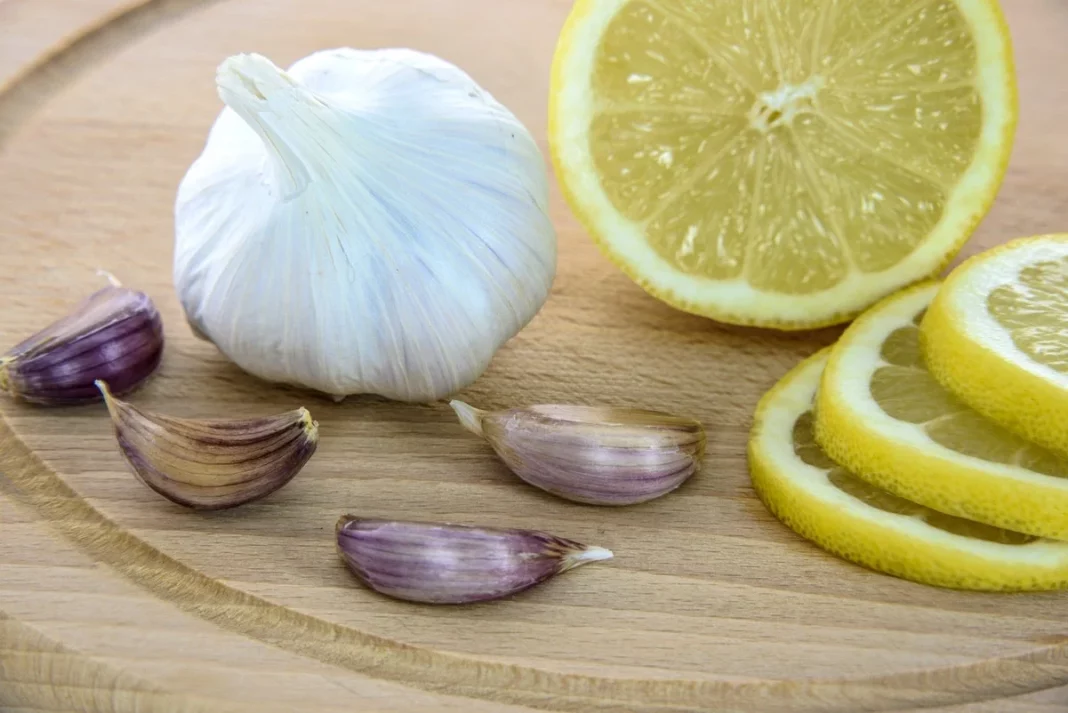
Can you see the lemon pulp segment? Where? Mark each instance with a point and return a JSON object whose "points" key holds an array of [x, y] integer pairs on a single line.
{"points": [[1034, 310], [997, 336], [775, 150]]}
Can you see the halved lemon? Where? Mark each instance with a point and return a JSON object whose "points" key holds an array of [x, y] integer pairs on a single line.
{"points": [[883, 416], [781, 163], [997, 337], [843, 514]]}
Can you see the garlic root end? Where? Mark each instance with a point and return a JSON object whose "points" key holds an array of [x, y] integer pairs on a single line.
{"points": [[309, 425], [5, 381]]}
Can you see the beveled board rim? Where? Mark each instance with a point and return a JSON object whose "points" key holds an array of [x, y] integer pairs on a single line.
{"points": [[27, 80]]}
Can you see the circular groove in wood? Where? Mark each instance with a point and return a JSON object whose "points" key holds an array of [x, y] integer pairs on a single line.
{"points": [[350, 648]]}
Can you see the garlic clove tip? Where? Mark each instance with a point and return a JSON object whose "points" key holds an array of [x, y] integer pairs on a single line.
{"points": [[470, 417], [114, 281], [105, 392], [590, 554], [109, 398]]}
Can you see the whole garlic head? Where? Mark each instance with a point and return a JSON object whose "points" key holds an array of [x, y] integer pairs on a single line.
{"points": [[363, 222]]}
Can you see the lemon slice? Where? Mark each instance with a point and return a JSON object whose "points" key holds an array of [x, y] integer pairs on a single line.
{"points": [[997, 337], [781, 163], [843, 514], [883, 415]]}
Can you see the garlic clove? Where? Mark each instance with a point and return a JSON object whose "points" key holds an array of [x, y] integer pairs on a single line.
{"points": [[212, 464], [441, 563], [590, 454], [114, 335]]}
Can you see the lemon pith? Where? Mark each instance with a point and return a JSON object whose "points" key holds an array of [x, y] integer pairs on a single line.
{"points": [[826, 504], [765, 176], [997, 337], [884, 416]]}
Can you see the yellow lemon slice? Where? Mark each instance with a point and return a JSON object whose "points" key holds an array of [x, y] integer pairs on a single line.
{"points": [[781, 163], [883, 415], [997, 337], [843, 514]]}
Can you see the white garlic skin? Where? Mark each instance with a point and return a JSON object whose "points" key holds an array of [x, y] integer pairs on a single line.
{"points": [[363, 222]]}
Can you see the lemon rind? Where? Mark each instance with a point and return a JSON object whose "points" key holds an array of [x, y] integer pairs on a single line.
{"points": [[736, 301], [802, 497], [902, 458], [974, 357]]}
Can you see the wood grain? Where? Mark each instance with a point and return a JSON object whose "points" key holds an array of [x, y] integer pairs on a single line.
{"points": [[112, 599]]}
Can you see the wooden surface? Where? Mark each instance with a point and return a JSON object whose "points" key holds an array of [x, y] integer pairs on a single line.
{"points": [[112, 599]]}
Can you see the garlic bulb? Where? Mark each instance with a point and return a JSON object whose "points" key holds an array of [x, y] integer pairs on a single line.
{"points": [[363, 222]]}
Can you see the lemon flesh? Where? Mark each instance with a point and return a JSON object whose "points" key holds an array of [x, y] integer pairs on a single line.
{"points": [[883, 415], [829, 505], [997, 337], [781, 163]]}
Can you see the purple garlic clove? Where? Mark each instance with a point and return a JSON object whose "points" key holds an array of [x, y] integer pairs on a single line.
{"points": [[591, 454], [440, 563], [212, 464], [114, 335]]}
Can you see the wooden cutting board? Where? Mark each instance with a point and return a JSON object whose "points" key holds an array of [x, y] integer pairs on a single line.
{"points": [[113, 599]]}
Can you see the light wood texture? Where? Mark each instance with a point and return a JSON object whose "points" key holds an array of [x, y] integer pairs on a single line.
{"points": [[112, 599]]}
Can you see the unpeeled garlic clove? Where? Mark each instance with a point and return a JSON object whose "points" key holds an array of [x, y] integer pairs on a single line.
{"points": [[115, 335], [441, 563], [591, 454], [212, 464]]}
